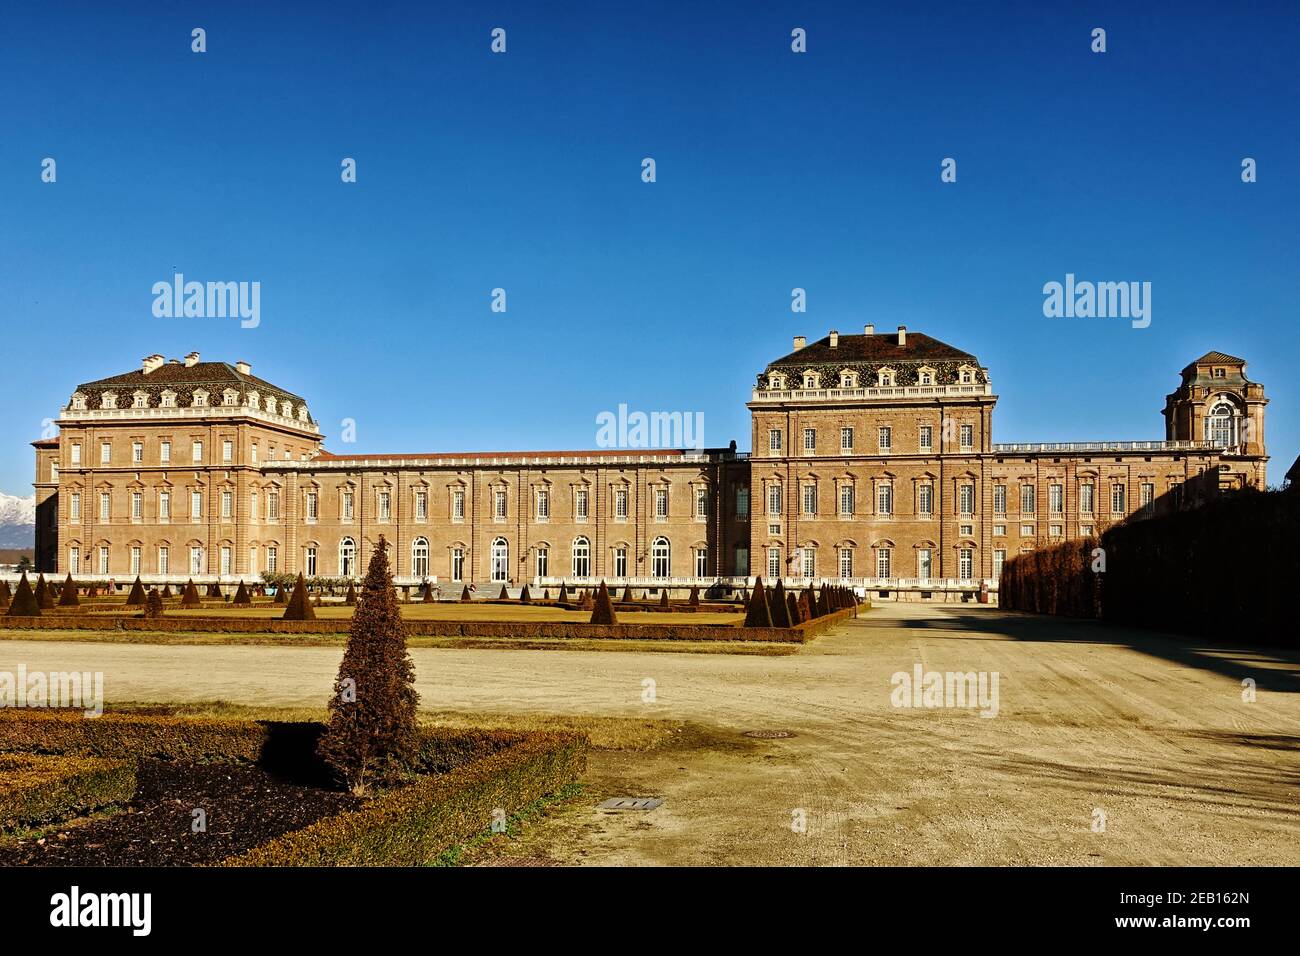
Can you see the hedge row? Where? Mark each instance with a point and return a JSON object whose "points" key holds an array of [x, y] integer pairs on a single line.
{"points": [[132, 735], [38, 788], [413, 825], [1224, 570]]}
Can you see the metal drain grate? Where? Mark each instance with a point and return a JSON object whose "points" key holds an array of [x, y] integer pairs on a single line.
{"points": [[768, 734], [630, 803]]}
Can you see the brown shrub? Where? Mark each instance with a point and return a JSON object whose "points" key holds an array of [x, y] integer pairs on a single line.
{"points": [[602, 611], [68, 594], [758, 614], [24, 603], [299, 608]]}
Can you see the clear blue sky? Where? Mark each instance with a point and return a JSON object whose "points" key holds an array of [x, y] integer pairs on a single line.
{"points": [[522, 171]]}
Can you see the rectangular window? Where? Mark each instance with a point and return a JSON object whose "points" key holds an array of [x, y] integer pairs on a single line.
{"points": [[884, 501], [196, 560], [54, 472], [227, 560], [1148, 492], [74, 507], [926, 438], [1055, 530], [999, 530], [499, 505], [886, 437], [543, 505], [620, 504], [421, 506], [165, 452], [349, 505], [1117, 499], [810, 499], [883, 560], [965, 564], [774, 440], [105, 505], [164, 561], [966, 499], [272, 559], [137, 506], [742, 560], [164, 505], [228, 504], [846, 439], [103, 560], [742, 506], [967, 436], [999, 557], [272, 506], [385, 506], [701, 502], [196, 452], [1028, 499], [999, 499], [701, 562], [1027, 531], [580, 504], [137, 452], [76, 453], [310, 569], [105, 453], [810, 439], [252, 561], [924, 564], [457, 564], [809, 560], [774, 499], [1055, 498], [458, 505], [774, 562], [196, 505], [74, 560], [620, 562], [227, 451], [543, 562], [925, 500], [846, 562], [1086, 497], [253, 450], [661, 503]]}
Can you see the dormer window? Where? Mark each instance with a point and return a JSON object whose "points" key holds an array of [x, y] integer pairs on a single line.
{"points": [[141, 400], [812, 380], [287, 410], [230, 397], [302, 413], [254, 400], [925, 375], [885, 378], [848, 379], [1220, 373], [270, 405], [776, 381], [78, 400], [169, 399], [965, 375], [108, 400], [200, 399]]}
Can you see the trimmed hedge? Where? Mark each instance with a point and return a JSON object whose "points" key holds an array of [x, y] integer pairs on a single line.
{"points": [[412, 825], [131, 735], [38, 788], [1053, 580]]}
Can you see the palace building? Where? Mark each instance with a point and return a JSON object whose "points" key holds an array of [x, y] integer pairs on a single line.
{"points": [[873, 463]]}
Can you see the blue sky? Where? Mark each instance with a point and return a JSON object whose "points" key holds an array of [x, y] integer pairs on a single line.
{"points": [[522, 171]]}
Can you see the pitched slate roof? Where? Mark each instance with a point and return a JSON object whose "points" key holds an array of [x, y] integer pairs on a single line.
{"points": [[1218, 358], [213, 377], [881, 348]]}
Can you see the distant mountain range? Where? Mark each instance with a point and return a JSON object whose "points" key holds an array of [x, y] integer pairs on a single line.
{"points": [[17, 521]]}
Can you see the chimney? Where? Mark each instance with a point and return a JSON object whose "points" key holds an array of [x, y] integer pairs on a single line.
{"points": [[902, 335], [192, 359], [835, 339], [150, 362], [799, 342], [243, 368], [868, 330]]}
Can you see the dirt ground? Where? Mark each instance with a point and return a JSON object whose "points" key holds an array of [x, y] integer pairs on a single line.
{"points": [[1109, 746]]}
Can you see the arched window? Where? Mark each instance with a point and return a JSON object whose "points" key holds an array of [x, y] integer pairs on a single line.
{"points": [[812, 380], [581, 558], [347, 558], [1220, 426], [420, 557], [660, 558], [500, 560]]}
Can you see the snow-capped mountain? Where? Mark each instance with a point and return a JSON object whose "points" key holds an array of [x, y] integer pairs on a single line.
{"points": [[17, 521]]}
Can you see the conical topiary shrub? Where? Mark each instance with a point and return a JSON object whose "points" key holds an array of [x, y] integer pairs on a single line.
{"points": [[663, 597], [780, 609], [627, 593], [167, 590], [564, 594], [465, 596], [792, 608], [371, 728], [190, 596], [68, 595], [44, 599], [351, 599], [241, 596], [586, 603], [299, 608], [504, 595], [136, 597], [806, 612], [281, 594], [153, 605], [694, 599], [24, 602], [523, 596], [214, 590], [427, 595], [5, 593], [757, 614], [602, 610]]}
